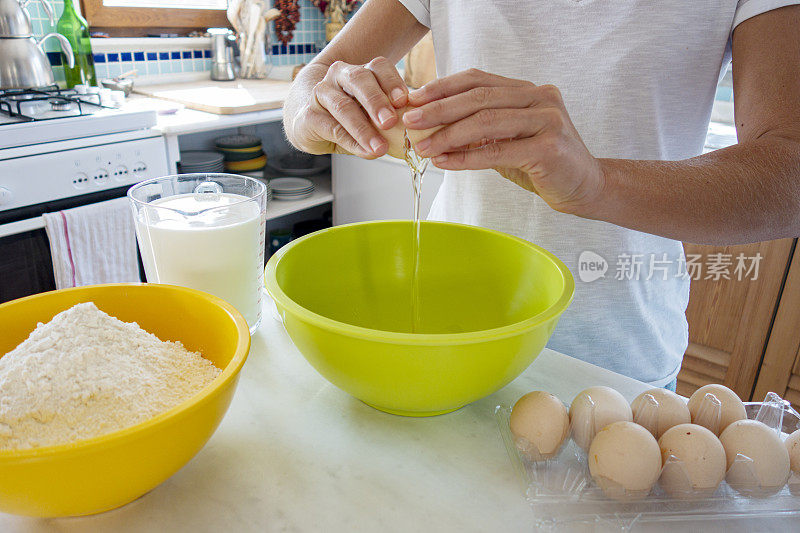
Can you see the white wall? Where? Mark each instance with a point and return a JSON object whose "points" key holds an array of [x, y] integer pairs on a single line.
{"points": [[379, 189]]}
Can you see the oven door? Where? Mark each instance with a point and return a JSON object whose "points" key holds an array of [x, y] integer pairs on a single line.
{"points": [[26, 266]]}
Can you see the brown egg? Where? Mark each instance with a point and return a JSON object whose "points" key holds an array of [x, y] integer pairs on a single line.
{"points": [[625, 461], [657, 410], [693, 461], [396, 135], [706, 413], [593, 409], [764, 467], [792, 444], [539, 423]]}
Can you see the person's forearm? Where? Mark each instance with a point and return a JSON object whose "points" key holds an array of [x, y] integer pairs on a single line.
{"points": [[744, 193]]}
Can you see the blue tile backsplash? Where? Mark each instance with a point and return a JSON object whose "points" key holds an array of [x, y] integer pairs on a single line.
{"points": [[167, 62], [147, 63]]}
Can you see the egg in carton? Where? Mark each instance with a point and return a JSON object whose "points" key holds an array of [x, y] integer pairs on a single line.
{"points": [[792, 443], [712, 479], [593, 409], [757, 459], [657, 410], [715, 407]]}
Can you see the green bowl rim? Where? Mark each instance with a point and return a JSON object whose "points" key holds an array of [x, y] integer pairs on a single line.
{"points": [[426, 339], [200, 398]]}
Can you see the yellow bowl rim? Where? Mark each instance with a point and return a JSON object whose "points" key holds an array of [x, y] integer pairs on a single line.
{"points": [[228, 373], [419, 339], [239, 150]]}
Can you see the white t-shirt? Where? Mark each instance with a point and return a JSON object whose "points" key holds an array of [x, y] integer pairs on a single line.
{"points": [[638, 78]]}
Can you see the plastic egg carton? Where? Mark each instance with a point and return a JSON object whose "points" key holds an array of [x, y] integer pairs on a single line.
{"points": [[561, 491]]}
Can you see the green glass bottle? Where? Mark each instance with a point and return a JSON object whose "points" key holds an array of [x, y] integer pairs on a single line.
{"points": [[75, 28]]}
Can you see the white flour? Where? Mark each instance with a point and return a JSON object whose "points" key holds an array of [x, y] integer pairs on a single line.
{"points": [[86, 373]]}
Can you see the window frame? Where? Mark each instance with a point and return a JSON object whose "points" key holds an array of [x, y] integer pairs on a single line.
{"points": [[140, 21]]}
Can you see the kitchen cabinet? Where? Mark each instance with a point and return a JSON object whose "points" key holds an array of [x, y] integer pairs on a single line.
{"points": [[731, 324], [780, 369]]}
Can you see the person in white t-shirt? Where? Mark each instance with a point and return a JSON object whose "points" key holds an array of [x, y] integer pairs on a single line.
{"points": [[578, 124]]}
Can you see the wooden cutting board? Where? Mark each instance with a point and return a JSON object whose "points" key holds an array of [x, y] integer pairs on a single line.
{"points": [[222, 97]]}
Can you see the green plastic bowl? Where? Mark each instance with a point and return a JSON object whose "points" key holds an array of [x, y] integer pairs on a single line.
{"points": [[489, 302]]}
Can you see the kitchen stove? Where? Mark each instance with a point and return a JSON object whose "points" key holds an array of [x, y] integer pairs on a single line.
{"points": [[67, 115], [60, 150], [47, 103]]}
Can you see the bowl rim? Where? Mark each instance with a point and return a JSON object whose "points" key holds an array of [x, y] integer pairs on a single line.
{"points": [[229, 373], [419, 339]]}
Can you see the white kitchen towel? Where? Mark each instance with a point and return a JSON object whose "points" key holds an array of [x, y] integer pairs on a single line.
{"points": [[93, 244]]}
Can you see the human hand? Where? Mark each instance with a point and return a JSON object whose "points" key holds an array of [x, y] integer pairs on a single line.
{"points": [[347, 107], [513, 126]]}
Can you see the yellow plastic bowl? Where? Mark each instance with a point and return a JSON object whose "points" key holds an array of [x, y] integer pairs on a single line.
{"points": [[489, 302], [102, 473], [247, 165]]}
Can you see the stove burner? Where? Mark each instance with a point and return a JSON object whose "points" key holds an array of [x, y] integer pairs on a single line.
{"points": [[46, 103], [20, 97], [60, 104]]}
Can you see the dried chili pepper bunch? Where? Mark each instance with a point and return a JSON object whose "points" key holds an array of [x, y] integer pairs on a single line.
{"points": [[322, 5], [288, 19]]}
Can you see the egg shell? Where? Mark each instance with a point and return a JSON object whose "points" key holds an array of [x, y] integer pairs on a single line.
{"points": [[396, 135], [540, 421], [693, 460], [657, 410], [585, 420], [625, 461], [703, 412], [767, 468], [792, 444]]}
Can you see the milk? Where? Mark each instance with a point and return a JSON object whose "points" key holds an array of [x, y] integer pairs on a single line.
{"points": [[211, 242]]}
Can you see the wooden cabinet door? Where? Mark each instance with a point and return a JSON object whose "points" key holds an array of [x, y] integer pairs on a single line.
{"points": [[729, 320], [780, 370]]}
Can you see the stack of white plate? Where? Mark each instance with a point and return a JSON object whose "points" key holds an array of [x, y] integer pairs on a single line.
{"points": [[199, 161], [291, 188]]}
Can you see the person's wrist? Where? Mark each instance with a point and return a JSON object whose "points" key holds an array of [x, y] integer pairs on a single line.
{"points": [[590, 198], [598, 206], [596, 199]]}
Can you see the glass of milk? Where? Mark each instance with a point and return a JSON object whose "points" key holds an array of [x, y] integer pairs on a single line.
{"points": [[206, 232]]}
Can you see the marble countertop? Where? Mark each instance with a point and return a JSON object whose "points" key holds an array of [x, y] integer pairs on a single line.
{"points": [[294, 453]]}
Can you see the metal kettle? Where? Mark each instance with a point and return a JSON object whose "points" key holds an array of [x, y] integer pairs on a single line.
{"points": [[223, 43], [23, 63]]}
